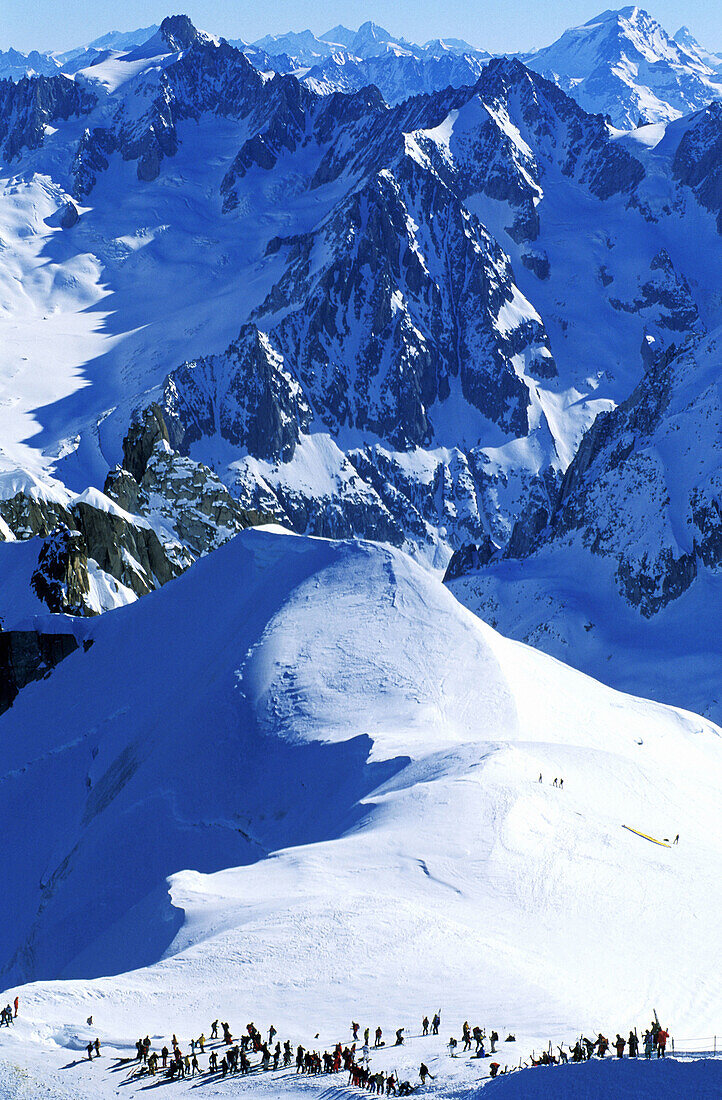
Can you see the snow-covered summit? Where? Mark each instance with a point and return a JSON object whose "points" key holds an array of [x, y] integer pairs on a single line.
{"points": [[625, 65]]}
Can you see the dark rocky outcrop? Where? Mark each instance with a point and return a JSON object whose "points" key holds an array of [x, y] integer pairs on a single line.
{"points": [[698, 160], [248, 396], [184, 496], [127, 550], [33, 103], [27, 515], [61, 578], [147, 428], [69, 215], [469, 558], [28, 655]]}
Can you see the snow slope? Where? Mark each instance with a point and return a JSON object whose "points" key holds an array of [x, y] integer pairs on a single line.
{"points": [[331, 762]]}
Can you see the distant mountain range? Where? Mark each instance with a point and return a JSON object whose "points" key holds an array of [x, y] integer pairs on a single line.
{"points": [[622, 64]]}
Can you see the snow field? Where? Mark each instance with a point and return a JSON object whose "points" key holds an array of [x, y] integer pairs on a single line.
{"points": [[345, 762]]}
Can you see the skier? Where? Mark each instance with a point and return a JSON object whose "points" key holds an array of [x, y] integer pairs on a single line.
{"points": [[633, 1044], [271, 1033], [466, 1035], [164, 1056], [399, 1036], [662, 1037], [354, 1029], [648, 1044], [379, 1033], [214, 1029], [452, 1046], [540, 777], [424, 1073], [367, 1032], [202, 1043], [493, 1069], [435, 1023], [675, 841], [96, 1044], [425, 1025], [89, 1049], [494, 1039], [554, 784], [620, 1044], [17, 1002]]}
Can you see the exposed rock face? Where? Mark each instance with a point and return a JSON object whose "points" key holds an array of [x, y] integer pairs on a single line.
{"points": [[179, 32], [668, 290], [129, 551], [526, 532], [205, 78], [181, 498], [69, 216], [61, 578], [247, 396], [470, 557], [33, 103], [698, 159], [145, 431], [27, 516], [633, 493], [26, 655]]}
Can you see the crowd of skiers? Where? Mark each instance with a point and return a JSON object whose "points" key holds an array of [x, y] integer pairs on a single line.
{"points": [[653, 1041], [235, 1059], [354, 1057]]}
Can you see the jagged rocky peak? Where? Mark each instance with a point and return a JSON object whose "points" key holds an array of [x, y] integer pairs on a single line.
{"points": [[181, 498], [248, 395], [179, 32], [30, 106], [147, 428]]}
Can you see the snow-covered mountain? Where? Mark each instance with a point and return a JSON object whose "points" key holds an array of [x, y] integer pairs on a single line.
{"points": [[355, 59], [287, 774], [397, 75], [624, 64], [333, 759], [14, 65], [686, 39], [387, 327]]}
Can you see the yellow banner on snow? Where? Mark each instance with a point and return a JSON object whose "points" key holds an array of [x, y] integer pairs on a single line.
{"points": [[662, 843]]}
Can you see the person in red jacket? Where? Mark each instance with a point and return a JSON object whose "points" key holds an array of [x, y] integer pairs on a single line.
{"points": [[662, 1037], [17, 1002]]}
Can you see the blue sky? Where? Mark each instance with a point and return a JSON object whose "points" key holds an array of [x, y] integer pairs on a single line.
{"points": [[493, 24]]}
